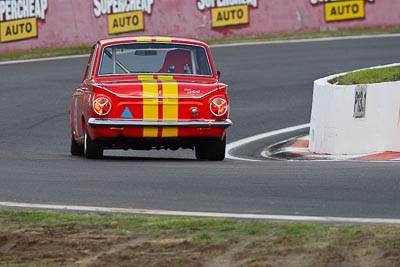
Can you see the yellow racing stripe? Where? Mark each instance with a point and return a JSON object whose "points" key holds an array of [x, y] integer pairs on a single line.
{"points": [[150, 39], [150, 104], [170, 104], [144, 39], [163, 39]]}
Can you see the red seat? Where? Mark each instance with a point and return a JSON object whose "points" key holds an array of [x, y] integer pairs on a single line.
{"points": [[177, 61]]}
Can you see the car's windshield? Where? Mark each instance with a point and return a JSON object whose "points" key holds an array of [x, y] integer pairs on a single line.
{"points": [[154, 58]]}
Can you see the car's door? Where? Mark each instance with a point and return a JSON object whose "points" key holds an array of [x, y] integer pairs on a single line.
{"points": [[81, 94]]}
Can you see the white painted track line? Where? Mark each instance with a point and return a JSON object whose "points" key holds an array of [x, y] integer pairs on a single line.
{"points": [[42, 59], [310, 40], [311, 219], [234, 145]]}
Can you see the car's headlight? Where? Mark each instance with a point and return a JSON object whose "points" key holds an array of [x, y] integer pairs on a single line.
{"points": [[219, 107], [102, 106]]}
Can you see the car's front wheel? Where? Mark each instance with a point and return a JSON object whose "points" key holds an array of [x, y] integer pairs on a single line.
{"points": [[92, 149], [211, 149]]}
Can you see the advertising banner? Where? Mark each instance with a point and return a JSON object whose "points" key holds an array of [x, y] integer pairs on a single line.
{"points": [[19, 19], [42, 24]]}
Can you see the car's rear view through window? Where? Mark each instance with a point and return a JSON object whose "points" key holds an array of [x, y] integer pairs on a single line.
{"points": [[154, 58]]}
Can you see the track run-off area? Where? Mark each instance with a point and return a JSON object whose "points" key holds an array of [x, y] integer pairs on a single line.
{"points": [[270, 89]]}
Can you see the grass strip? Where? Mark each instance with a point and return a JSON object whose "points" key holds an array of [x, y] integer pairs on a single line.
{"points": [[377, 75], [45, 53], [38, 238], [308, 35]]}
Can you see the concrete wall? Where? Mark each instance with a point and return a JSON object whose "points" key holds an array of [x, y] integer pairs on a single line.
{"points": [[335, 130], [77, 22]]}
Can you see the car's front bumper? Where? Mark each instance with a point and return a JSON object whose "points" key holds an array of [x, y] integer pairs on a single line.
{"points": [[120, 123]]}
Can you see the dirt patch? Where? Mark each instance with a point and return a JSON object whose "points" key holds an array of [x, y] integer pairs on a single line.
{"points": [[90, 246], [81, 246]]}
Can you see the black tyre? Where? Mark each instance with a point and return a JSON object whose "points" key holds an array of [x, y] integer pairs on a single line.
{"points": [[200, 151], [76, 149], [212, 149], [92, 149]]}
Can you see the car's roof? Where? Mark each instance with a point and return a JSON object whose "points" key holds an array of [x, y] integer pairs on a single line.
{"points": [[150, 39]]}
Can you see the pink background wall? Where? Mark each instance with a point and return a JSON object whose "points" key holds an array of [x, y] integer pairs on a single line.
{"points": [[72, 22]]}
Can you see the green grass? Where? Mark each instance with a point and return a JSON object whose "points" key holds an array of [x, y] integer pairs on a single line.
{"points": [[249, 241], [390, 74], [272, 37], [203, 228], [308, 35], [45, 53]]}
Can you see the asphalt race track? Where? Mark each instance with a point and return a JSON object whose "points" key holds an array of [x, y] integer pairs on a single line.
{"points": [[270, 89]]}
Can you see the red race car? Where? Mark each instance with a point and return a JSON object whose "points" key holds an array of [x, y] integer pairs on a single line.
{"points": [[150, 93]]}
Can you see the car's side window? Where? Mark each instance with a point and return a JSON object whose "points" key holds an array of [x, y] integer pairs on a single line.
{"points": [[91, 63], [202, 61]]}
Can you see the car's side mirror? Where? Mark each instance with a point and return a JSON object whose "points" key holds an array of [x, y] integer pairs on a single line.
{"points": [[218, 74]]}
